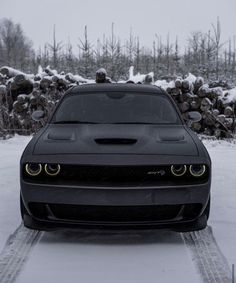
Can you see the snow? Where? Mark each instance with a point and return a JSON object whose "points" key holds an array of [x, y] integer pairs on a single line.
{"points": [[138, 77], [229, 96], [164, 84], [10, 152], [135, 256], [191, 78], [223, 206], [132, 257]]}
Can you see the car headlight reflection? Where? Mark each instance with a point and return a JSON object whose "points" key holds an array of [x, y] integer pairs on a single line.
{"points": [[33, 169], [52, 169], [197, 170], [178, 170]]}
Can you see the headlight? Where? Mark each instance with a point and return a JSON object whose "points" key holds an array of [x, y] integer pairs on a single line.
{"points": [[52, 169], [197, 170], [178, 170], [33, 169]]}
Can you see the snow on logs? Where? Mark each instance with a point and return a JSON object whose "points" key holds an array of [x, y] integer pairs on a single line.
{"points": [[215, 105], [21, 94]]}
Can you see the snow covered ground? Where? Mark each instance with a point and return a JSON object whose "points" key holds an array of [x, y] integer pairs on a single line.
{"points": [[148, 256]]}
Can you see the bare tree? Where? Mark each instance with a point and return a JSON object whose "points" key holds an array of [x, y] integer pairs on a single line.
{"points": [[217, 42], [15, 48]]}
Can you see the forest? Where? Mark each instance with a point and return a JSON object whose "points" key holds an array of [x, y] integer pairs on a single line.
{"points": [[205, 54]]}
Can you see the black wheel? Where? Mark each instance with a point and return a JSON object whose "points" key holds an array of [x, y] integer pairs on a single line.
{"points": [[199, 224]]}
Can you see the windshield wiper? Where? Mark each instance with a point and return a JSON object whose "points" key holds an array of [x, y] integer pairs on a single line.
{"points": [[74, 122]]}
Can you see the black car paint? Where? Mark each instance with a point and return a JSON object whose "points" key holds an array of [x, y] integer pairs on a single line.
{"points": [[76, 144]]}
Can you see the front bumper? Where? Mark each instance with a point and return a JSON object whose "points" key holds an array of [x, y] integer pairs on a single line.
{"points": [[84, 206]]}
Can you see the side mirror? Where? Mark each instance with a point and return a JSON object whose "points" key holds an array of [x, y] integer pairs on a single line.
{"points": [[38, 115], [193, 117]]}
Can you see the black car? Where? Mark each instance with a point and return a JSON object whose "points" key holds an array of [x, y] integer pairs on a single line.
{"points": [[117, 156]]}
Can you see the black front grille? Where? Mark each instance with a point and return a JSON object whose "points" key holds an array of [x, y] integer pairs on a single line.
{"points": [[97, 175], [95, 213], [115, 214], [113, 174]]}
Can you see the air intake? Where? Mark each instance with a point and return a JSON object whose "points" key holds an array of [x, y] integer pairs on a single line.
{"points": [[115, 141]]}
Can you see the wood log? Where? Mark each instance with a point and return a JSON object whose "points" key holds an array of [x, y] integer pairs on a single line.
{"points": [[228, 112], [174, 91], [215, 92], [208, 118], [2, 79], [206, 104], [221, 118], [184, 107], [216, 112], [187, 97], [203, 91], [36, 85], [3, 92], [187, 86], [60, 80], [33, 100], [9, 72], [45, 83], [228, 122], [197, 84], [196, 127], [43, 100], [18, 107], [21, 84], [217, 133], [22, 98], [195, 104], [50, 72], [178, 83]]}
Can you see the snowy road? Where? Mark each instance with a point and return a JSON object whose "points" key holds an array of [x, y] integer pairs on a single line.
{"points": [[136, 256]]}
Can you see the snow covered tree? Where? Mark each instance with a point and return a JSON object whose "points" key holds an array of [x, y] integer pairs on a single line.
{"points": [[55, 48], [86, 66]]}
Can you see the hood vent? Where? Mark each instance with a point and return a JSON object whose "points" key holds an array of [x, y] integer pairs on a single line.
{"points": [[115, 141]]}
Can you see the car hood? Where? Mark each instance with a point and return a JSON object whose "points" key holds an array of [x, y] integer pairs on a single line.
{"points": [[115, 139]]}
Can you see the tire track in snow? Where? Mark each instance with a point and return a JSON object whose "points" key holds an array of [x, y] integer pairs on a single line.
{"points": [[211, 263], [16, 251]]}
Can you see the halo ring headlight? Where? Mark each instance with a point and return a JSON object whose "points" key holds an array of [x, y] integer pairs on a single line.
{"points": [[33, 169], [52, 169], [178, 170], [199, 171]]}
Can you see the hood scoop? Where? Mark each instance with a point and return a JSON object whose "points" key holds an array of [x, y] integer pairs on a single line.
{"points": [[115, 141], [168, 137], [56, 136]]}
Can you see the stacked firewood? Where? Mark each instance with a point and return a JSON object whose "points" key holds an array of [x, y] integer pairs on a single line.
{"points": [[217, 113], [21, 94]]}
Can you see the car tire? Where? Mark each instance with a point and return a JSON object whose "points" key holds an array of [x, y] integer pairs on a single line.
{"points": [[198, 224]]}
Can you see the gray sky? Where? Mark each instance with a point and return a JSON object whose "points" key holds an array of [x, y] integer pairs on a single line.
{"points": [[146, 18]]}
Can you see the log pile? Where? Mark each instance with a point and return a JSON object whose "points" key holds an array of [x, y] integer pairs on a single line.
{"points": [[21, 94], [218, 113]]}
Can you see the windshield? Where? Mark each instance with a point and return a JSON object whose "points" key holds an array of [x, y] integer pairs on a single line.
{"points": [[117, 108]]}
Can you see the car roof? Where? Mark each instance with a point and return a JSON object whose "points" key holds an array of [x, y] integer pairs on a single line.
{"points": [[116, 87]]}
